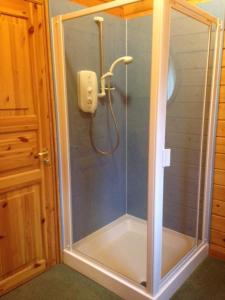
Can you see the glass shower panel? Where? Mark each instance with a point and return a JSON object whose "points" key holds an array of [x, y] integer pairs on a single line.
{"points": [[109, 192], [187, 116], [97, 181], [139, 32]]}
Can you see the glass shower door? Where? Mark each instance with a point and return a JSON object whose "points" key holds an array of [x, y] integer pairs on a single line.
{"points": [[187, 123], [108, 148]]}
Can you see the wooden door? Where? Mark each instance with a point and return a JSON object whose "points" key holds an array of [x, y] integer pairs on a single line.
{"points": [[28, 215]]}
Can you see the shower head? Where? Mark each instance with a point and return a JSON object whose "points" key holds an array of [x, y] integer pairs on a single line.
{"points": [[128, 59], [125, 59]]}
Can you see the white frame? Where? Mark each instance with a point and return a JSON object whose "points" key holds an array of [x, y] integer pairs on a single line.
{"points": [[158, 92], [210, 158], [202, 138], [156, 286], [63, 129]]}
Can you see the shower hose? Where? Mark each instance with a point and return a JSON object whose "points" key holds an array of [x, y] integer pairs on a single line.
{"points": [[96, 148]]}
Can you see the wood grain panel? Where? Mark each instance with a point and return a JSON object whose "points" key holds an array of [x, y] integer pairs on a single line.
{"points": [[219, 177], [221, 114], [17, 9], [223, 59], [219, 192], [18, 152], [221, 128], [8, 183], [138, 9], [145, 7], [218, 223], [220, 161], [18, 123], [222, 93], [116, 11], [17, 141], [218, 238], [16, 93], [220, 145], [21, 276], [218, 208], [223, 76], [20, 229], [217, 251]]}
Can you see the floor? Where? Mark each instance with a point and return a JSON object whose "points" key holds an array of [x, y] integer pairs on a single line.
{"points": [[206, 283], [115, 246], [62, 283]]}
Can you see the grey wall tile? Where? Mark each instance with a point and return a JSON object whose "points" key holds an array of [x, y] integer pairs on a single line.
{"points": [[139, 46], [189, 42], [98, 182]]}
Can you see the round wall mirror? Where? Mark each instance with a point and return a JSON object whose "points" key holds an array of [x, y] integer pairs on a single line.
{"points": [[171, 80]]}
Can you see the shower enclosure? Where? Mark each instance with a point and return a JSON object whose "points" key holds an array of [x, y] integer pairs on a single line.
{"points": [[143, 90]]}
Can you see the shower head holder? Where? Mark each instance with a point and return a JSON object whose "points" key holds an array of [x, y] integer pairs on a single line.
{"points": [[124, 59], [103, 87]]}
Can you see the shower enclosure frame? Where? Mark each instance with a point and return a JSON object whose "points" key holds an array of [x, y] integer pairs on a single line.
{"points": [[157, 287]]}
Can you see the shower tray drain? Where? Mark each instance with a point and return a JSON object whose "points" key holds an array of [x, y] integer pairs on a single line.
{"points": [[144, 283]]}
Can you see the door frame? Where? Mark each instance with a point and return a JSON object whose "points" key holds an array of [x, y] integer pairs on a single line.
{"points": [[53, 219]]}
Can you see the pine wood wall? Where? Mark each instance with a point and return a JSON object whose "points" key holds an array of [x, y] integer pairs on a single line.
{"points": [[217, 247]]}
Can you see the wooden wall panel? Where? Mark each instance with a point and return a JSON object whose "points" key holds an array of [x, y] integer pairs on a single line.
{"points": [[219, 192], [145, 7], [218, 238], [218, 223], [221, 115], [222, 93], [134, 10], [221, 128], [116, 11], [223, 76], [217, 247]]}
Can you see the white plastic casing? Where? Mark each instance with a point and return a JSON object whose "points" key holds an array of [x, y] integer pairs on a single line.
{"points": [[166, 158], [87, 85]]}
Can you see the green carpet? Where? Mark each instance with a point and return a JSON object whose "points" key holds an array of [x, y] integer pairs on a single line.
{"points": [[206, 283], [63, 283]]}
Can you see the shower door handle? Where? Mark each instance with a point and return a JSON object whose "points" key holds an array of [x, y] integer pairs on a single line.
{"points": [[166, 158]]}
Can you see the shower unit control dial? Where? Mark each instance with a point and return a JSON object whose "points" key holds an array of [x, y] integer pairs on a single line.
{"points": [[87, 87]]}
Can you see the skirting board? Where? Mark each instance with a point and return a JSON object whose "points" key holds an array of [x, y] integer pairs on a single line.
{"points": [[125, 288], [217, 251]]}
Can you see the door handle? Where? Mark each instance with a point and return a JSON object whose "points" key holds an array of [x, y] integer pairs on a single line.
{"points": [[44, 156]]}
